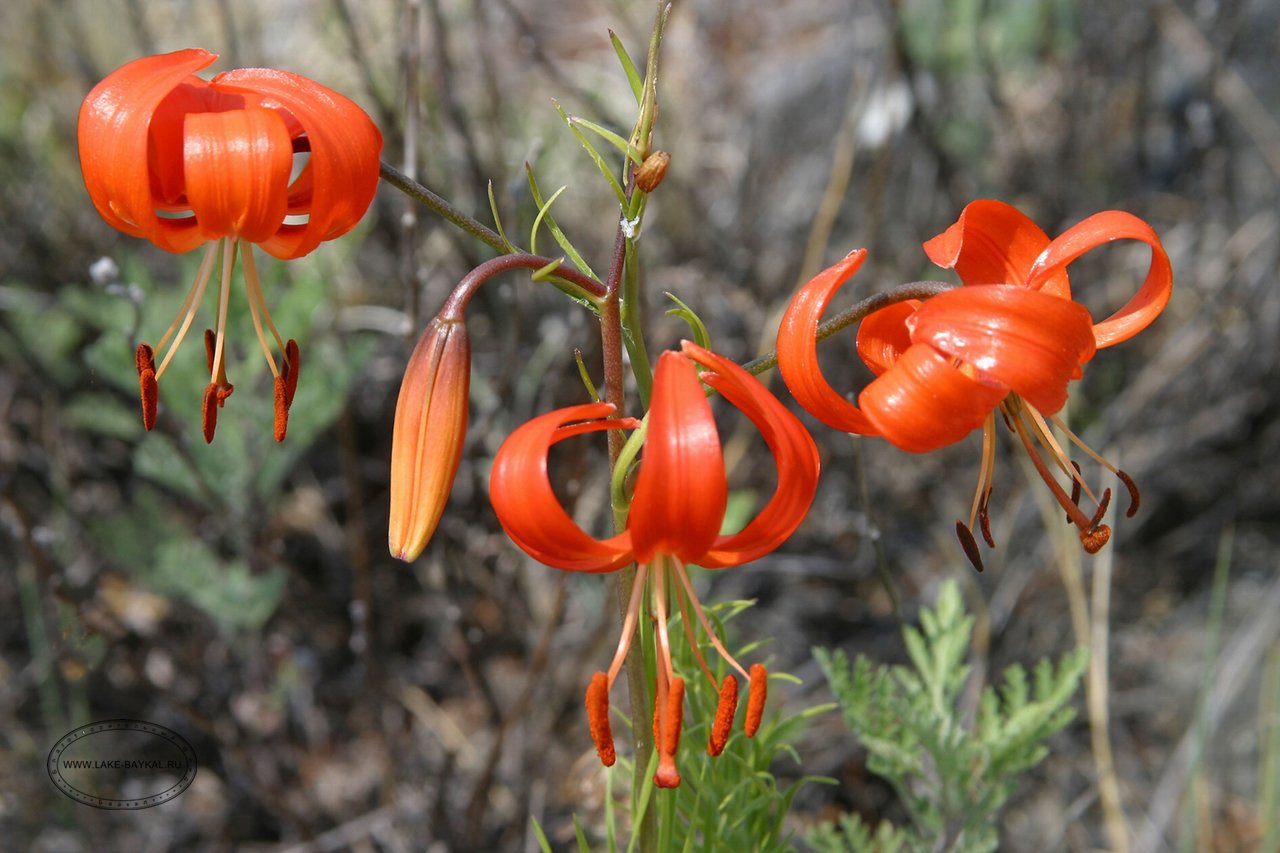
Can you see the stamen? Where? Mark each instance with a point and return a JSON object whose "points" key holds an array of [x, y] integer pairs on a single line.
{"points": [[282, 409], [258, 308], [210, 344], [148, 388], [217, 370], [628, 623], [1064, 500], [725, 709], [986, 469], [969, 544], [1135, 497], [687, 623], [683, 575], [660, 616], [757, 692], [598, 718], [188, 311], [1102, 507]]}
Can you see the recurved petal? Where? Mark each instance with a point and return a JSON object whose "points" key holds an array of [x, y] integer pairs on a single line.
{"points": [[112, 134], [1014, 337], [798, 350], [883, 335], [1098, 230], [345, 145], [925, 402], [426, 443], [794, 454], [994, 243], [681, 490], [237, 167], [528, 508]]}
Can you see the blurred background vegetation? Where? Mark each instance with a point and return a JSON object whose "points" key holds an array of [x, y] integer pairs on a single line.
{"points": [[241, 593]]}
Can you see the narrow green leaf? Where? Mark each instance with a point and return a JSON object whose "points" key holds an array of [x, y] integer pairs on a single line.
{"points": [[700, 334], [628, 150], [544, 209], [497, 221], [633, 74], [595, 155]]}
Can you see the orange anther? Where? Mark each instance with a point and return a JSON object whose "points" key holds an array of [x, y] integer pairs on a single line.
{"points": [[148, 388], [209, 410], [598, 718], [210, 346], [292, 363], [757, 691], [725, 710], [984, 519], [282, 408], [1135, 497]]}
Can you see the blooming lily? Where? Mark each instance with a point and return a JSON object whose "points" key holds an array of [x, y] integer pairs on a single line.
{"points": [[675, 518], [181, 161], [1009, 340]]}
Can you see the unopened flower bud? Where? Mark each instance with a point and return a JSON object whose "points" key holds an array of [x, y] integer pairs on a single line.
{"points": [[652, 171], [430, 426]]}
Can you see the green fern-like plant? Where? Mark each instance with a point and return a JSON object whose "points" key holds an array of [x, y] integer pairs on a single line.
{"points": [[953, 777]]}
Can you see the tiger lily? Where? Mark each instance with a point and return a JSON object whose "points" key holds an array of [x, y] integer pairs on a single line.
{"points": [[675, 517], [181, 161], [1009, 340]]}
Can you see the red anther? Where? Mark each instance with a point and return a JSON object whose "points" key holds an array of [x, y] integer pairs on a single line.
{"points": [[210, 346], [144, 358], [969, 544], [290, 372], [209, 410], [725, 710], [282, 408], [1075, 487], [598, 718], [1093, 540], [757, 692], [1135, 497], [984, 519]]}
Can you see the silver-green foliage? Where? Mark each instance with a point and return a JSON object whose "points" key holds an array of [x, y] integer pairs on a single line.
{"points": [[953, 776]]}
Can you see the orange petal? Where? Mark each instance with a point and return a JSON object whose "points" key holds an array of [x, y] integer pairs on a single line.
{"points": [[237, 168], [883, 335], [1013, 337], [528, 508], [427, 438], [794, 454], [925, 402], [994, 243], [345, 145], [798, 350], [1097, 230], [113, 132], [681, 490]]}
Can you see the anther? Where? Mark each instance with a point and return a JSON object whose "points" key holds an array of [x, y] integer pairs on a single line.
{"points": [[969, 544], [209, 411], [1102, 508], [290, 371], [1135, 497], [1094, 539], [757, 691], [725, 710], [210, 346], [1075, 487], [598, 718], [668, 740], [984, 519], [282, 408], [148, 388]]}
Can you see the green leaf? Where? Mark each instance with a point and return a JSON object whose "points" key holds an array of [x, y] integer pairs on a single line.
{"points": [[629, 67]]}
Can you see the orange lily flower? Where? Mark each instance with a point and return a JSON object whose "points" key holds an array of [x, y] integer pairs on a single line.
{"points": [[674, 520], [1011, 339], [181, 161]]}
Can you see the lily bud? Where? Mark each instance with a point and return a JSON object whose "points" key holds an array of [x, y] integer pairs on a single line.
{"points": [[426, 444]]}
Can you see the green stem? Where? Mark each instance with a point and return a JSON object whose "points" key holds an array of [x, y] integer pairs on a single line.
{"points": [[427, 198]]}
